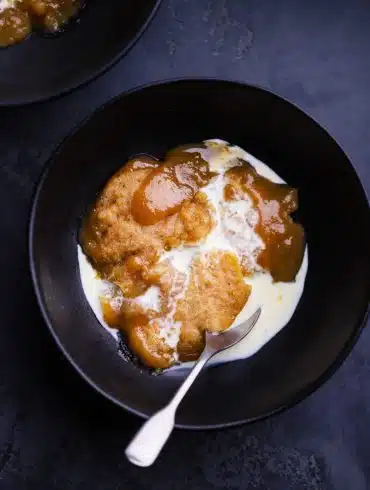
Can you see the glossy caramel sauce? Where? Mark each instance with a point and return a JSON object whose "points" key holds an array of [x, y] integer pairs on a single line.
{"points": [[283, 238], [164, 190], [49, 15]]}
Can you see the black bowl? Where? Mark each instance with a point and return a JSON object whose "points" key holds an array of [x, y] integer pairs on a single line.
{"points": [[333, 209], [43, 66]]}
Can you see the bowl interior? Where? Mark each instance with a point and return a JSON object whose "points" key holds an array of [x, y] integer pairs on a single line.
{"points": [[333, 210], [43, 66]]}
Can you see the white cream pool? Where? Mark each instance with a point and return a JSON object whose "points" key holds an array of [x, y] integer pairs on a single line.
{"points": [[277, 300]]}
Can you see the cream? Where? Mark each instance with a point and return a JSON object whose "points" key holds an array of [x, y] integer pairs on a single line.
{"points": [[94, 288], [151, 299]]}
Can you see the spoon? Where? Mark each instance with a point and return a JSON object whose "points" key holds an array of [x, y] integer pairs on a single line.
{"points": [[145, 447]]}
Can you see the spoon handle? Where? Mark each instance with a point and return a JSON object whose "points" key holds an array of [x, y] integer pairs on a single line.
{"points": [[145, 447]]}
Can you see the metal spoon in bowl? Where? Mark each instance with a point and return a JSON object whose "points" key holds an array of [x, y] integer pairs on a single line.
{"points": [[145, 447]]}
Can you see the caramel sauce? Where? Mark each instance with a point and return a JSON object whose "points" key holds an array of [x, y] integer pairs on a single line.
{"points": [[17, 22], [175, 181], [283, 238]]}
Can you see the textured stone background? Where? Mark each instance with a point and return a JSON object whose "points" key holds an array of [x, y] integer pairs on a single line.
{"points": [[55, 432]]}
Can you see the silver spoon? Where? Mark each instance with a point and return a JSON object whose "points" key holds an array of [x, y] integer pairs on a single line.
{"points": [[145, 447]]}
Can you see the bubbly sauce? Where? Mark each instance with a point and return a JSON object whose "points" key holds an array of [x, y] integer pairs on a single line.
{"points": [[19, 17], [184, 245]]}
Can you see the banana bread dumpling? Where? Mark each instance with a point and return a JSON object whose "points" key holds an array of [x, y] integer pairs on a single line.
{"points": [[215, 296], [123, 250]]}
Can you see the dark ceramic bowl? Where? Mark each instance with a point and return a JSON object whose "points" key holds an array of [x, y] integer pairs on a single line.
{"points": [[43, 66], [333, 209]]}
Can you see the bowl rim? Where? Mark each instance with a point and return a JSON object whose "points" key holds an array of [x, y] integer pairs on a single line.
{"points": [[28, 101], [302, 393]]}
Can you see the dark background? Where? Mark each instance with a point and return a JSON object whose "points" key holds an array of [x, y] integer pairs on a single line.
{"points": [[55, 431]]}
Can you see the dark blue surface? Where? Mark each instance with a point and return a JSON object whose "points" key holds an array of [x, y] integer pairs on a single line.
{"points": [[55, 432]]}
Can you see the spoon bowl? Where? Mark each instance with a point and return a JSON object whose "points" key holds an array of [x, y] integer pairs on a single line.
{"points": [[218, 342]]}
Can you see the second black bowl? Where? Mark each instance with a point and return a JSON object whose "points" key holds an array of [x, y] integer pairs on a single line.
{"points": [[333, 209], [43, 66]]}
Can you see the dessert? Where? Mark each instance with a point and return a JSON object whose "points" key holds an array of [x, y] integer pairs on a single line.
{"points": [[174, 248]]}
